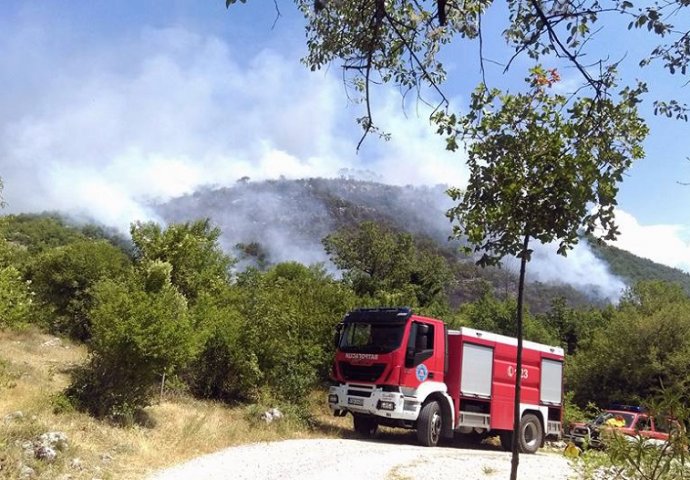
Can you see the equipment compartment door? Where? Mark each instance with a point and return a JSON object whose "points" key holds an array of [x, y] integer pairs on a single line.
{"points": [[477, 369], [551, 381]]}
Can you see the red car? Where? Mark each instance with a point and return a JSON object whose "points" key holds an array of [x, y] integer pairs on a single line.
{"points": [[631, 421]]}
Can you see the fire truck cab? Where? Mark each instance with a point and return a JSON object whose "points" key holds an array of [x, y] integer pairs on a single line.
{"points": [[399, 369]]}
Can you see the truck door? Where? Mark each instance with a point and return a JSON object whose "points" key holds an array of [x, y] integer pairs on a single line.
{"points": [[421, 360]]}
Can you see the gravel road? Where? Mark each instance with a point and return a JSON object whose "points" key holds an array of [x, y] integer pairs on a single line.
{"points": [[371, 460]]}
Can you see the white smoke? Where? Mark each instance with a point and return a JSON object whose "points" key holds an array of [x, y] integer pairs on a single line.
{"points": [[173, 110], [103, 131], [580, 269]]}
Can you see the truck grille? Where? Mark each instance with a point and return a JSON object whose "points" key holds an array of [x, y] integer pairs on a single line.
{"points": [[363, 373]]}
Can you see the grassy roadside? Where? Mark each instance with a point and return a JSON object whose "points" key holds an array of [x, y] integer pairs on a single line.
{"points": [[34, 368]]}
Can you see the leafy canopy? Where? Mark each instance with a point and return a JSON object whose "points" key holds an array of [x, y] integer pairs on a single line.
{"points": [[63, 278], [192, 249], [378, 260], [540, 167], [402, 42]]}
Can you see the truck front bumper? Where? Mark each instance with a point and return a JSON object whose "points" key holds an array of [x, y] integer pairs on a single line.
{"points": [[372, 400]]}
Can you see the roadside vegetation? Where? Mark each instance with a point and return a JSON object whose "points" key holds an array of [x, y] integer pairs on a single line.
{"points": [[152, 350]]}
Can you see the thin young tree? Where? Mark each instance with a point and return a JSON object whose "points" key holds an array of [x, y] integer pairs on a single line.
{"points": [[541, 168]]}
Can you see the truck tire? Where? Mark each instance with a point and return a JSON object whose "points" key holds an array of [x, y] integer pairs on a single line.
{"points": [[429, 424], [531, 434], [365, 426]]}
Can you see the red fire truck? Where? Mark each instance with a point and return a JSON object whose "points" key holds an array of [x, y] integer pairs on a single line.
{"points": [[399, 369]]}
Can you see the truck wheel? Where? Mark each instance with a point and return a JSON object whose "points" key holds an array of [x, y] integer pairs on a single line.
{"points": [[531, 434], [365, 426], [429, 424]]}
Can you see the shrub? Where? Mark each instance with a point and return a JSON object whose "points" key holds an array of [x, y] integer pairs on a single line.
{"points": [[289, 314], [16, 300], [224, 366], [139, 334], [64, 277]]}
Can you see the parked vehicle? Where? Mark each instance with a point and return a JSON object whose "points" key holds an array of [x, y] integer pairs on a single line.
{"points": [[396, 368], [627, 420]]}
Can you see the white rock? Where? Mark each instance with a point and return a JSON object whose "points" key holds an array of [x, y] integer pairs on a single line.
{"points": [[26, 472], [13, 416], [28, 448], [45, 453], [76, 463], [53, 342], [270, 415], [56, 440]]}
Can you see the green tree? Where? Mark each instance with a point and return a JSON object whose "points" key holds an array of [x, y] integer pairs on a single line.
{"points": [[384, 264], [198, 262], [648, 297], [572, 327], [489, 313], [290, 313], [644, 349], [140, 331], [402, 42], [63, 278], [533, 175]]}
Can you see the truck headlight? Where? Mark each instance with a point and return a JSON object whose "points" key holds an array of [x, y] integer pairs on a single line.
{"points": [[383, 405], [332, 398]]}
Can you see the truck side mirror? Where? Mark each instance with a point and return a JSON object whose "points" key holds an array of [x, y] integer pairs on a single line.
{"points": [[336, 335], [421, 341]]}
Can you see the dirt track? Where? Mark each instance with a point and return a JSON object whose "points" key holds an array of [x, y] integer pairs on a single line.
{"points": [[360, 459]]}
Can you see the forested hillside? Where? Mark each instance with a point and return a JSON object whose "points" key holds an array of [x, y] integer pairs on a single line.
{"points": [[634, 269], [265, 223], [171, 300]]}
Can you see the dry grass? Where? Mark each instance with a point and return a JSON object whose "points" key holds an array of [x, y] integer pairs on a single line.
{"points": [[34, 368]]}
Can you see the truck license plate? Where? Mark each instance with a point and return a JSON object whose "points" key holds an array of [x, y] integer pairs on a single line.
{"points": [[355, 401]]}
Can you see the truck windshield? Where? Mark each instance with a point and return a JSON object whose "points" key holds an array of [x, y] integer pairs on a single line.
{"points": [[371, 337]]}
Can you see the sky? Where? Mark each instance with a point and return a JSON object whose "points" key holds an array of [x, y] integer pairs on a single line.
{"points": [[108, 105]]}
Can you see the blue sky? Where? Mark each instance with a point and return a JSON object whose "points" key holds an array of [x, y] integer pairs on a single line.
{"points": [[106, 105]]}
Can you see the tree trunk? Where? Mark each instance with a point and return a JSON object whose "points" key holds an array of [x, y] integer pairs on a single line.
{"points": [[518, 368]]}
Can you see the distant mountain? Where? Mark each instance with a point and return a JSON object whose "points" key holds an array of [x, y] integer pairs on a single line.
{"points": [[633, 268], [287, 219]]}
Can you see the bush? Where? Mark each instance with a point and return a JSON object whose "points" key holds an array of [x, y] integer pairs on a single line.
{"points": [[16, 300], [64, 276], [224, 366], [290, 313], [138, 335]]}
